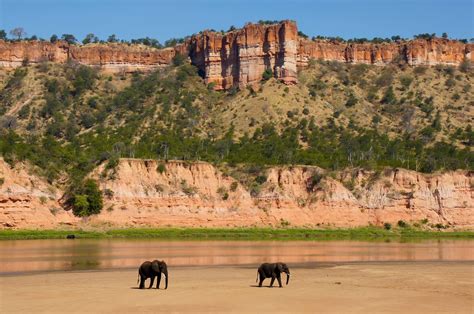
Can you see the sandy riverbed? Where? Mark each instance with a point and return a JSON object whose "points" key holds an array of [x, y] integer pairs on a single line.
{"points": [[369, 288]]}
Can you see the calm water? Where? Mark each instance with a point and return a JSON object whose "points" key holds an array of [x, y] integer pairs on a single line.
{"points": [[50, 255]]}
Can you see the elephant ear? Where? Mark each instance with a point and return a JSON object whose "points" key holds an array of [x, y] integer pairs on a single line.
{"points": [[280, 267], [155, 265]]}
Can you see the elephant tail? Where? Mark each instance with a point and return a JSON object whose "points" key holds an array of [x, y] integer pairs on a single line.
{"points": [[256, 280], [138, 279]]}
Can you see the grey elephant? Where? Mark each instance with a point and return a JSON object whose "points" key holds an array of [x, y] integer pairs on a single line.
{"points": [[151, 270], [272, 270]]}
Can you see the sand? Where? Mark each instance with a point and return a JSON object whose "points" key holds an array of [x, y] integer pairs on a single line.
{"points": [[364, 288]]}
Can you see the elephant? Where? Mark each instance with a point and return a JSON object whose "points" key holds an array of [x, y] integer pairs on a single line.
{"points": [[151, 270], [274, 270]]}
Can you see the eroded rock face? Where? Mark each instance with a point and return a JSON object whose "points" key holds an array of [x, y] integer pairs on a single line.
{"points": [[109, 57], [240, 57], [140, 193]]}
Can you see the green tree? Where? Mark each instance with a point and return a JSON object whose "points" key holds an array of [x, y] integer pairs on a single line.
{"points": [[70, 39], [88, 199], [3, 34], [90, 38], [54, 38]]}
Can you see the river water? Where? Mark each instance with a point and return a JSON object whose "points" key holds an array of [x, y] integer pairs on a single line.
{"points": [[24, 256]]}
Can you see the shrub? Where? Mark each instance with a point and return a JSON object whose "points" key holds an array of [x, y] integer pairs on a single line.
{"points": [[178, 59], [109, 193], [351, 101], [161, 168], [406, 80], [222, 191], [233, 186], [385, 78], [2, 180], [87, 200], [305, 111], [387, 226], [188, 190], [267, 74], [389, 97], [314, 180], [402, 224], [261, 179]]}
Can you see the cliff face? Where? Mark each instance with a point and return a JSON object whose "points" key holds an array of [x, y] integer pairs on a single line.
{"points": [[239, 57], [109, 57], [197, 194], [414, 52]]}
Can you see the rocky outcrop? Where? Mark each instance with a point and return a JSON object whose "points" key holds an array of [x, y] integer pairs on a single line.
{"points": [[28, 201], [176, 193], [413, 52], [109, 57], [240, 57]]}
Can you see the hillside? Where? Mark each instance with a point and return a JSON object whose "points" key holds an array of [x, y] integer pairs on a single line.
{"points": [[61, 121]]}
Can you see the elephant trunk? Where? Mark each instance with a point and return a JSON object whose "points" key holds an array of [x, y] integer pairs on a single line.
{"points": [[287, 277]]}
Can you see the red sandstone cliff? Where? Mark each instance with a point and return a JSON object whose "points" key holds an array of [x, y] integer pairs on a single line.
{"points": [[239, 57], [194, 194], [107, 56]]}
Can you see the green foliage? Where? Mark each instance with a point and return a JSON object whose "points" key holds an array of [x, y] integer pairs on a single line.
{"points": [[389, 97], [178, 59], [267, 74], [351, 100], [70, 39], [402, 224], [233, 186], [87, 199], [387, 226], [161, 168], [406, 81]]}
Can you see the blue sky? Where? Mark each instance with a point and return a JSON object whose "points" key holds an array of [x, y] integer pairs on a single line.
{"points": [[163, 19]]}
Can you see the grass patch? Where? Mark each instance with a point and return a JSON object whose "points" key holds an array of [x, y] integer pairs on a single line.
{"points": [[365, 233]]}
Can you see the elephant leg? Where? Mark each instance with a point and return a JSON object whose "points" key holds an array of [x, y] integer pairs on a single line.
{"points": [[158, 281], [152, 279], [261, 281], [279, 280], [271, 282], [142, 282]]}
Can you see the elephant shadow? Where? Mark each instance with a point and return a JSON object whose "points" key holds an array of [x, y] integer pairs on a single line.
{"points": [[256, 286]]}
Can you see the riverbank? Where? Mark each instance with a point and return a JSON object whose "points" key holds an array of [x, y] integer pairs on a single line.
{"points": [[366, 233], [357, 288]]}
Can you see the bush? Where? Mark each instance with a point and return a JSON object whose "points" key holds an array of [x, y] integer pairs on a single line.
{"points": [[406, 80], [402, 224], [233, 186], [351, 101], [261, 179], [178, 59], [387, 226], [87, 200], [161, 168], [267, 74], [389, 97]]}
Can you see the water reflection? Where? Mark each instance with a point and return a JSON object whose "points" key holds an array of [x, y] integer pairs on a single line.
{"points": [[47, 255]]}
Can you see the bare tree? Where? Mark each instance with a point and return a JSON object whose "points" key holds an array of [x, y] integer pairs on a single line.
{"points": [[18, 32]]}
